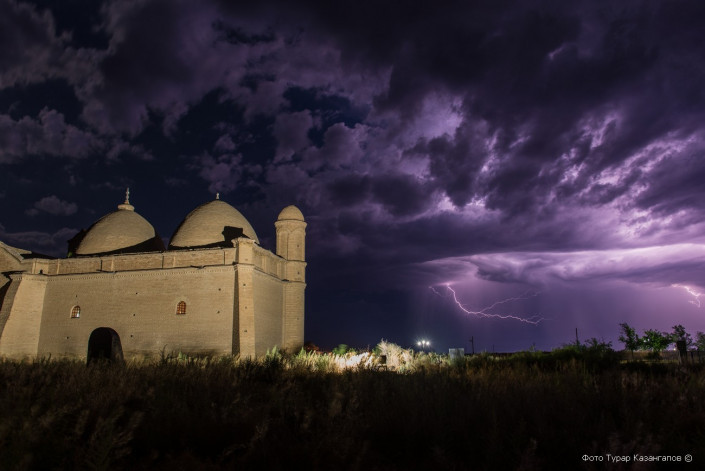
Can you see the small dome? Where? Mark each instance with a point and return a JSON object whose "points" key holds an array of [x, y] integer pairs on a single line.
{"points": [[291, 213], [122, 231], [213, 224]]}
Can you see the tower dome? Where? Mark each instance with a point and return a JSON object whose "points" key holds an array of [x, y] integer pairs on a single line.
{"points": [[212, 224], [122, 231], [290, 213]]}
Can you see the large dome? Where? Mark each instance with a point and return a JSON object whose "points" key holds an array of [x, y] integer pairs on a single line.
{"points": [[213, 224], [122, 231]]}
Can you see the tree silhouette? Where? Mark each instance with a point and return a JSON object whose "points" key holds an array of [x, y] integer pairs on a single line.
{"points": [[679, 333], [630, 338], [700, 341], [656, 341]]}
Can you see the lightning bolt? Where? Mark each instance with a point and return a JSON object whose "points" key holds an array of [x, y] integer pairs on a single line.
{"points": [[692, 292], [483, 312]]}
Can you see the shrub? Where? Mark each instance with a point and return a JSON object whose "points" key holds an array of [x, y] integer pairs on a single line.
{"points": [[656, 341], [397, 357], [340, 349]]}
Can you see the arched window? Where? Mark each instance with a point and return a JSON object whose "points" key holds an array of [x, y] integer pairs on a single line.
{"points": [[181, 308], [75, 312]]}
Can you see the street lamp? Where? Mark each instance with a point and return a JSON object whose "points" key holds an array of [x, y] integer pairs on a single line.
{"points": [[423, 344]]}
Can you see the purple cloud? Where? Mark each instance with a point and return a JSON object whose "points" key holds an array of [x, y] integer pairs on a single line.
{"points": [[291, 132], [521, 142], [53, 205], [52, 243], [660, 265], [31, 51], [47, 135]]}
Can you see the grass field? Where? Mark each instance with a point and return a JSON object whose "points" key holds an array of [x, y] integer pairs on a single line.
{"points": [[526, 411]]}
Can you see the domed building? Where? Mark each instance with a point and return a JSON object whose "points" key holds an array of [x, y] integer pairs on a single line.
{"points": [[213, 224], [121, 294], [122, 231]]}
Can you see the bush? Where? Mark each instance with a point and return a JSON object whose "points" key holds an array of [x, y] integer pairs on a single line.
{"points": [[340, 349], [397, 358]]}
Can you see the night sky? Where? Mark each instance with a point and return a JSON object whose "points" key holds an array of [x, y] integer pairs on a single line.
{"points": [[540, 163]]}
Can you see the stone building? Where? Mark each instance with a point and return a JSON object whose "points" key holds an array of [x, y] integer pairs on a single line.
{"points": [[120, 293]]}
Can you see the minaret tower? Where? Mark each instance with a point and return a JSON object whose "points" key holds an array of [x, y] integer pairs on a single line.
{"points": [[291, 238]]}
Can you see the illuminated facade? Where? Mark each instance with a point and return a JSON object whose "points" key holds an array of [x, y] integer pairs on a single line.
{"points": [[120, 293]]}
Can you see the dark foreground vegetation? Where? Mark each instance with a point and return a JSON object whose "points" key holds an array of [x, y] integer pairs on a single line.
{"points": [[526, 411]]}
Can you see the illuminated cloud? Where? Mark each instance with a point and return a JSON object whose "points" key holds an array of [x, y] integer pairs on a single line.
{"points": [[661, 265]]}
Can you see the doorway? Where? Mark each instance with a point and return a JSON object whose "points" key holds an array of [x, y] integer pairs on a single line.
{"points": [[104, 345]]}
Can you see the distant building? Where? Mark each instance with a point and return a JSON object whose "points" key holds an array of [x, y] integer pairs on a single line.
{"points": [[213, 291]]}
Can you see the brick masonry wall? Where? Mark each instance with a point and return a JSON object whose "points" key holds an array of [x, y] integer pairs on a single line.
{"points": [[21, 315], [293, 318], [268, 301], [235, 298], [141, 308]]}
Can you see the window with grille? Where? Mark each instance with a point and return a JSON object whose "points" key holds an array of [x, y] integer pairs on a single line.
{"points": [[75, 312], [181, 308]]}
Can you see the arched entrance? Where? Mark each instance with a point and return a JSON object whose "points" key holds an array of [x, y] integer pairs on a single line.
{"points": [[104, 344]]}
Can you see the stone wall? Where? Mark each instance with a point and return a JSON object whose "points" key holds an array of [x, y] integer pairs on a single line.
{"points": [[239, 300], [268, 302], [21, 315], [293, 316], [141, 307]]}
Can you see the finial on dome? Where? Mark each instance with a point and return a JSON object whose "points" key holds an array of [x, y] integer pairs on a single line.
{"points": [[126, 205], [217, 196]]}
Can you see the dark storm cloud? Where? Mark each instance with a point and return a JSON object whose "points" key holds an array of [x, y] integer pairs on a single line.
{"points": [[341, 149], [455, 162], [349, 190], [151, 63], [677, 183], [222, 172], [49, 134], [29, 45], [407, 131], [547, 92], [291, 132], [533, 75], [541, 143], [401, 195]]}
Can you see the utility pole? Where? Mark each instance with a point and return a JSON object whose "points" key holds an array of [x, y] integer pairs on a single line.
{"points": [[472, 342], [577, 342]]}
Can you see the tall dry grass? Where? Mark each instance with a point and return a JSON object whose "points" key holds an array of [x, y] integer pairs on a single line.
{"points": [[309, 411]]}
